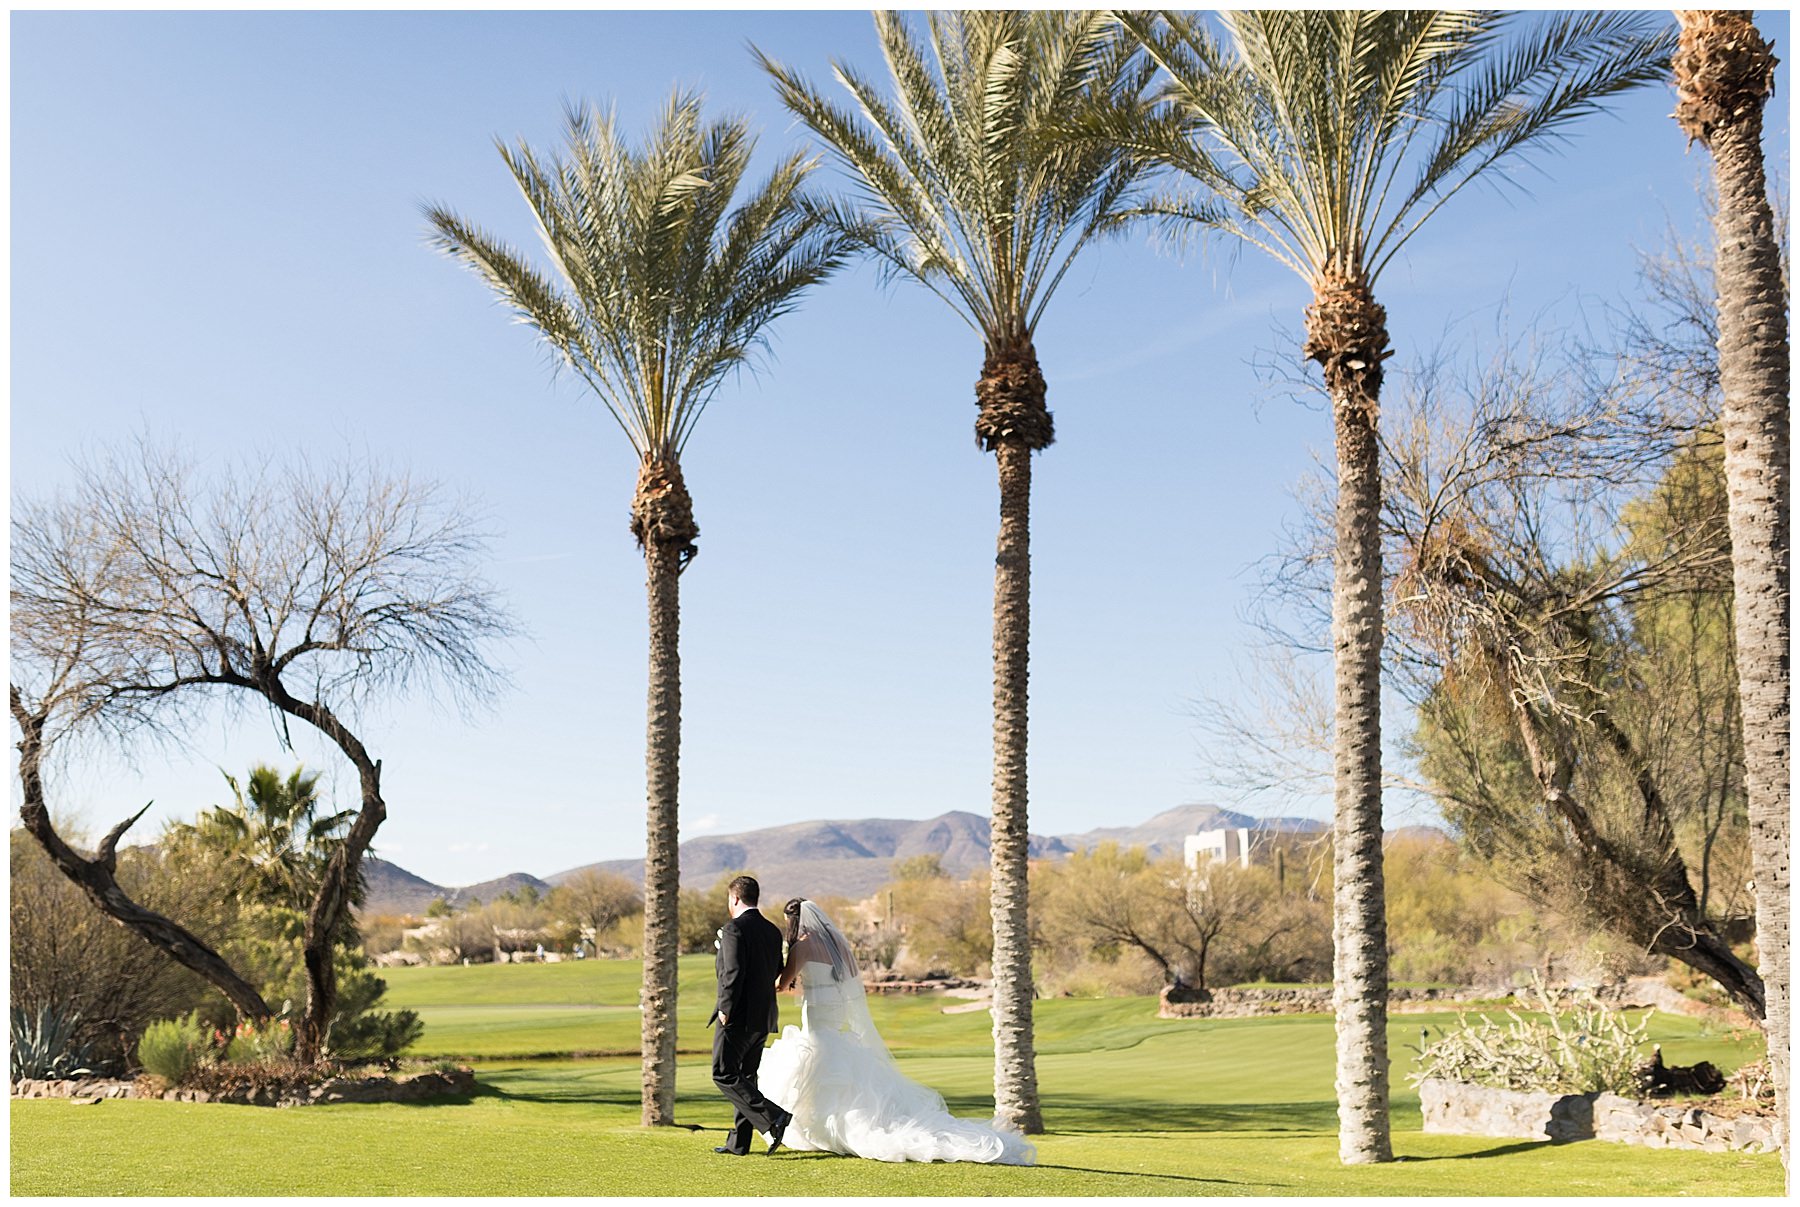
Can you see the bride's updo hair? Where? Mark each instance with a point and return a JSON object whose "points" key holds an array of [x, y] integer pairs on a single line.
{"points": [[792, 910]]}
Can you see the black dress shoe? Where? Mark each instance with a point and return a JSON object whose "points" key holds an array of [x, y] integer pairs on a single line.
{"points": [[730, 1152], [779, 1130]]}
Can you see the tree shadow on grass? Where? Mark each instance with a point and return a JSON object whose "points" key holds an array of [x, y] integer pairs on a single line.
{"points": [[1090, 1114], [591, 1095], [626, 1097], [1503, 1150], [480, 1091], [790, 1155], [1161, 1177]]}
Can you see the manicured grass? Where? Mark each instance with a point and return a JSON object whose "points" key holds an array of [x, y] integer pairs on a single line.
{"points": [[493, 1011], [1136, 1105], [499, 1011]]}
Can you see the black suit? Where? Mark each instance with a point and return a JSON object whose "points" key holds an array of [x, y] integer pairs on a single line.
{"points": [[748, 962]]}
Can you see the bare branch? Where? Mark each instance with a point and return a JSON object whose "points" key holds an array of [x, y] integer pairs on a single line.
{"points": [[150, 589]]}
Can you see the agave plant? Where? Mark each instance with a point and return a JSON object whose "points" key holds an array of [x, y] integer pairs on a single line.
{"points": [[44, 1046]]}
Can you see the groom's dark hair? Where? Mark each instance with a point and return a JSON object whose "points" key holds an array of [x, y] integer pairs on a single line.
{"points": [[745, 889]]}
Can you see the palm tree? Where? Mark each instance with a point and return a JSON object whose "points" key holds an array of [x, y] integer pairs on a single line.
{"points": [[1723, 74], [657, 291], [965, 188], [1327, 138], [272, 838]]}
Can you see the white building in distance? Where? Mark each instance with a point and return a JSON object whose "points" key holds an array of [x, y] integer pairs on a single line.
{"points": [[1231, 846]]}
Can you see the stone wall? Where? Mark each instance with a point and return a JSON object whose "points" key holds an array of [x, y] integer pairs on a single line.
{"points": [[949, 984], [85, 1087], [410, 1088], [1460, 1109]]}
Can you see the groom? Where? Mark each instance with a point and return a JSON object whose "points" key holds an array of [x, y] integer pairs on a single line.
{"points": [[749, 960]]}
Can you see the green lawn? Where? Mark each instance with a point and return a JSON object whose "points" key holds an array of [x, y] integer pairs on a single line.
{"points": [[1136, 1105]]}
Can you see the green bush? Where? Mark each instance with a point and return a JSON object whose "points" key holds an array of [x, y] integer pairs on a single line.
{"points": [[358, 1031], [1589, 1049], [175, 1047], [375, 1034]]}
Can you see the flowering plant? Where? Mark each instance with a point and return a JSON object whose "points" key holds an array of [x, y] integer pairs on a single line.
{"points": [[251, 1044]]}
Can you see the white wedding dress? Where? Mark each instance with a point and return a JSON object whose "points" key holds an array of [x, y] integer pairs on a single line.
{"points": [[845, 1092]]}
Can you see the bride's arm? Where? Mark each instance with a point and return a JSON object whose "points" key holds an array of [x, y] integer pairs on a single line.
{"points": [[789, 976], [802, 949]]}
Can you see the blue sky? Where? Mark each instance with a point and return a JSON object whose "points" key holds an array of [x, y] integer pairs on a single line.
{"points": [[216, 237]]}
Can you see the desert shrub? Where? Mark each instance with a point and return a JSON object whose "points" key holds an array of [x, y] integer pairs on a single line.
{"points": [[1590, 1049], [1101, 971], [174, 1047], [383, 933], [455, 938], [65, 953], [703, 912], [253, 1044], [945, 925], [46, 1044]]}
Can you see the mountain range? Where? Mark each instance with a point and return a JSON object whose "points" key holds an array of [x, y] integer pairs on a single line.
{"points": [[829, 858]]}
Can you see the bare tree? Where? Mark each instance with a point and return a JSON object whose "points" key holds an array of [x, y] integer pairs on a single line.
{"points": [[147, 590], [1539, 652], [596, 900], [1181, 918]]}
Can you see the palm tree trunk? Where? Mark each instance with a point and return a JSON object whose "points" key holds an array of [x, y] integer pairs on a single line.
{"points": [[1724, 73], [663, 522], [1013, 422], [1015, 1066], [1347, 334]]}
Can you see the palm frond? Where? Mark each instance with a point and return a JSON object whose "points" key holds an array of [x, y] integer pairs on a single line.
{"points": [[964, 174], [1332, 135], [656, 286], [1554, 76]]}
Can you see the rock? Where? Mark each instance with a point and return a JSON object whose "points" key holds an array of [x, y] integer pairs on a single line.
{"points": [[1458, 1108]]}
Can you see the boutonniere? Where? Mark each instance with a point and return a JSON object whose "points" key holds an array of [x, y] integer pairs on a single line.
{"points": [[719, 940]]}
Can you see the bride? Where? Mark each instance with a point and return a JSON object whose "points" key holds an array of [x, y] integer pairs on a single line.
{"points": [[835, 1075]]}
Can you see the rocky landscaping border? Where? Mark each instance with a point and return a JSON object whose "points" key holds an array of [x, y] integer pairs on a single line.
{"points": [[1633, 993], [1312, 999], [1461, 1109], [412, 1087]]}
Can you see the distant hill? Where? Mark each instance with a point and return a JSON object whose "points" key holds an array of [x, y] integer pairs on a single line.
{"points": [[1420, 834], [831, 858], [845, 858], [1164, 835], [394, 890]]}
